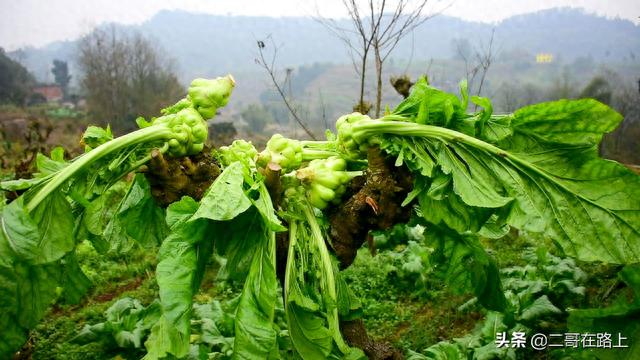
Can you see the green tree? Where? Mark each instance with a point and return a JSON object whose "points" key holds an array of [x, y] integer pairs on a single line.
{"points": [[257, 117], [15, 80], [599, 89], [61, 75]]}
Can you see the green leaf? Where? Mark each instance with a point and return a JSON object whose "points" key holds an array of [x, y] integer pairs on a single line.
{"points": [[428, 105], [349, 305], [125, 214], [19, 184], [497, 128], [74, 282], [100, 213], [630, 274], [225, 198], [254, 328], [47, 166], [13, 337], [265, 207], [539, 308], [164, 340], [574, 122], [95, 136], [181, 211], [304, 304], [544, 177], [620, 319], [309, 334], [465, 265], [140, 216], [36, 291], [178, 273], [441, 205], [238, 240], [42, 237]]}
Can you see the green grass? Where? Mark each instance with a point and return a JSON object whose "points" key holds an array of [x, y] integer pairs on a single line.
{"points": [[398, 307]]}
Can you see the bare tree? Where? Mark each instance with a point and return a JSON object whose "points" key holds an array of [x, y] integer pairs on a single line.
{"points": [[390, 29], [477, 60], [376, 25], [358, 39], [125, 76], [269, 67], [485, 56]]}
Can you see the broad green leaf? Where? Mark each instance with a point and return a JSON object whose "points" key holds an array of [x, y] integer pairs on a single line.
{"points": [[140, 216], [126, 214], [429, 105], [465, 265], [181, 211], [47, 166], [304, 305], [265, 207], [566, 121], [225, 199], [441, 205], [36, 291], [74, 282], [238, 240], [177, 273], [19, 237], [43, 236], [13, 337], [254, 328], [619, 319], [95, 136], [539, 308], [165, 340], [98, 215], [496, 129], [544, 177], [349, 305], [307, 326]]}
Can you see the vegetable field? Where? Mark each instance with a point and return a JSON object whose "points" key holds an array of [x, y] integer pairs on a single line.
{"points": [[438, 231]]}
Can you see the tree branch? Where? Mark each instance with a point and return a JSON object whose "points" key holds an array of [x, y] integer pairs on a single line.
{"points": [[270, 70]]}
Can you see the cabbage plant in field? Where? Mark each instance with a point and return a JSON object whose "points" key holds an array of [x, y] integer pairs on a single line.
{"points": [[295, 213]]}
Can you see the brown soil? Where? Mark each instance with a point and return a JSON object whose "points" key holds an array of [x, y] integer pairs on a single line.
{"points": [[173, 178]]}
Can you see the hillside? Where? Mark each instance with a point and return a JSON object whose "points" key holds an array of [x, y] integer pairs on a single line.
{"points": [[205, 45]]}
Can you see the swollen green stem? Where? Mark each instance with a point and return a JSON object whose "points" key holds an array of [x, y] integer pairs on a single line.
{"points": [[364, 129], [149, 134], [312, 144], [308, 154]]}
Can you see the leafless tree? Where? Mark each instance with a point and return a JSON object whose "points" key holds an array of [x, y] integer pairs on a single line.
{"points": [[125, 76], [485, 57], [391, 28], [378, 26], [269, 67], [358, 38], [477, 60]]}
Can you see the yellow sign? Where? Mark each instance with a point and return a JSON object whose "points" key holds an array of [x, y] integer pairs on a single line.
{"points": [[544, 58]]}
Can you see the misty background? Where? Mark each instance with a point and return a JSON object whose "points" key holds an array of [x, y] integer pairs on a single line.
{"points": [[539, 56]]}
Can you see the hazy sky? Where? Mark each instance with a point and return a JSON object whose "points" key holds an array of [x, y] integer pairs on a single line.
{"points": [[38, 22]]}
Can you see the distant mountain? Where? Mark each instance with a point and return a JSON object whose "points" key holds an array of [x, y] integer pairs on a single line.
{"points": [[206, 45]]}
